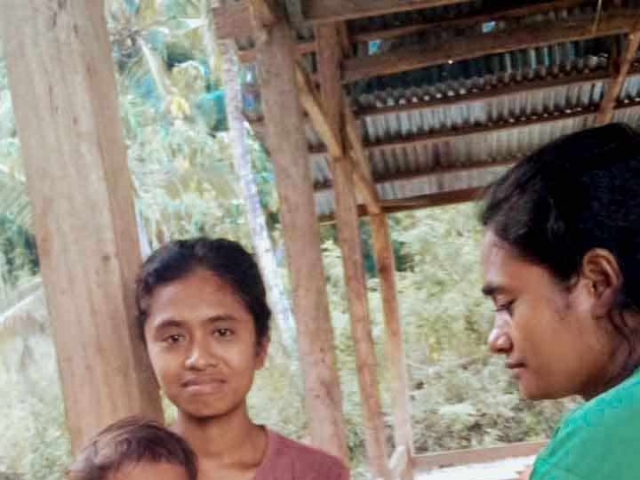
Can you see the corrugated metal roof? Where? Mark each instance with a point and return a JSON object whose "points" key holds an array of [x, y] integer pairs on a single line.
{"points": [[431, 130]]}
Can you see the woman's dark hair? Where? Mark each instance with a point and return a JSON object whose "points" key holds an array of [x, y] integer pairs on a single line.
{"points": [[226, 259], [129, 442], [578, 193]]}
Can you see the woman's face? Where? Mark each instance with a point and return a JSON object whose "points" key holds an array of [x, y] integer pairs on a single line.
{"points": [[202, 344], [552, 343]]}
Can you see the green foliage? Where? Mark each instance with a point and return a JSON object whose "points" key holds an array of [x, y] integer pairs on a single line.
{"points": [[34, 439]]}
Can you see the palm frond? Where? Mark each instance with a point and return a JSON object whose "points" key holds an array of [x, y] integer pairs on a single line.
{"points": [[23, 312]]}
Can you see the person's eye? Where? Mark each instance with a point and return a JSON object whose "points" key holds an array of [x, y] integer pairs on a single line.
{"points": [[505, 307], [223, 332], [174, 339]]}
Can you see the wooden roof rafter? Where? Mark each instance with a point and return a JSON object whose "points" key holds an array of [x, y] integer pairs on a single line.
{"points": [[328, 11], [331, 138], [620, 74], [309, 46], [465, 48]]}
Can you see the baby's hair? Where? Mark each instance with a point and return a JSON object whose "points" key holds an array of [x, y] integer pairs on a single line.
{"points": [[128, 442]]}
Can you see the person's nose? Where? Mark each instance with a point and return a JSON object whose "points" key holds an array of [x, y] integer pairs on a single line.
{"points": [[499, 340], [200, 357]]}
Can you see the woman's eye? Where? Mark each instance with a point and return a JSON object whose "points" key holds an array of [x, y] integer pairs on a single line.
{"points": [[506, 307], [174, 339], [223, 332]]}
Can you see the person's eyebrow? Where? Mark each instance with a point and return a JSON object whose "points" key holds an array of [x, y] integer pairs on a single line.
{"points": [[491, 289], [168, 323], [221, 318]]}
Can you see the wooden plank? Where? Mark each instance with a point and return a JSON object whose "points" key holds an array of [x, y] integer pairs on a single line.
{"points": [[464, 48], [477, 455], [435, 173], [439, 199], [305, 46], [264, 12], [493, 92], [452, 135], [329, 56], [394, 349], [328, 11], [233, 20], [302, 48], [64, 96], [288, 148], [620, 76], [487, 15], [332, 139], [364, 177]]}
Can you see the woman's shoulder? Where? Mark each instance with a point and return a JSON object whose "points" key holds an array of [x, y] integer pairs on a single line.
{"points": [[287, 458], [598, 438]]}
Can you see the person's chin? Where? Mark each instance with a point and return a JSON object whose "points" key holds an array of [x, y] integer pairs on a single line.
{"points": [[534, 392]]}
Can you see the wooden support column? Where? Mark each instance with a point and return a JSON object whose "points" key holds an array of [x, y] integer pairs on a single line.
{"points": [[619, 77], [288, 147], [346, 207], [64, 95], [385, 261]]}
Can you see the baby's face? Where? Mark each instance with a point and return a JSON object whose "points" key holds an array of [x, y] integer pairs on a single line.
{"points": [[150, 470]]}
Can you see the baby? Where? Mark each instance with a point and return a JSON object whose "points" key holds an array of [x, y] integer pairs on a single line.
{"points": [[135, 449]]}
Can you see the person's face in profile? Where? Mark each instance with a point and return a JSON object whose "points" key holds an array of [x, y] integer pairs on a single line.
{"points": [[202, 344], [546, 329], [150, 471]]}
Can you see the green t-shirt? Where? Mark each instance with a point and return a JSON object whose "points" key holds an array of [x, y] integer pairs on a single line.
{"points": [[600, 440]]}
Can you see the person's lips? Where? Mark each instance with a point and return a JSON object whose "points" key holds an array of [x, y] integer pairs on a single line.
{"points": [[516, 367], [204, 385]]}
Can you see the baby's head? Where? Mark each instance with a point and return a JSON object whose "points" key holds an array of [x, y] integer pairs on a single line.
{"points": [[135, 449]]}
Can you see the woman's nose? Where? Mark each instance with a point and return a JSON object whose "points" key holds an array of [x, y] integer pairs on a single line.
{"points": [[499, 339], [199, 358]]}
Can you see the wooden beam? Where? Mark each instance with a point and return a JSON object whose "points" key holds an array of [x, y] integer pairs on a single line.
{"points": [[487, 15], [620, 76], [434, 173], [415, 203], [332, 139], [331, 122], [492, 92], [394, 350], [233, 20], [302, 48], [264, 13], [288, 147], [328, 11], [477, 455], [364, 177], [305, 46], [464, 48], [452, 135], [64, 96]]}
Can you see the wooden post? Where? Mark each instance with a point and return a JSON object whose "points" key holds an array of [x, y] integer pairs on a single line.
{"points": [[346, 207], [288, 148], [619, 77], [64, 93], [402, 433]]}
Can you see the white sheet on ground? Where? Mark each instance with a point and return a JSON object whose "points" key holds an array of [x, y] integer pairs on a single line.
{"points": [[507, 469]]}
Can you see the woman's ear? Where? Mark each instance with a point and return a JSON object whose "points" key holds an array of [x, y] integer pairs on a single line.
{"points": [[601, 271], [262, 348]]}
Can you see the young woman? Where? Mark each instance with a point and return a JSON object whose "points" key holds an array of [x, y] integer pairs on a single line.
{"points": [[203, 312], [561, 262]]}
